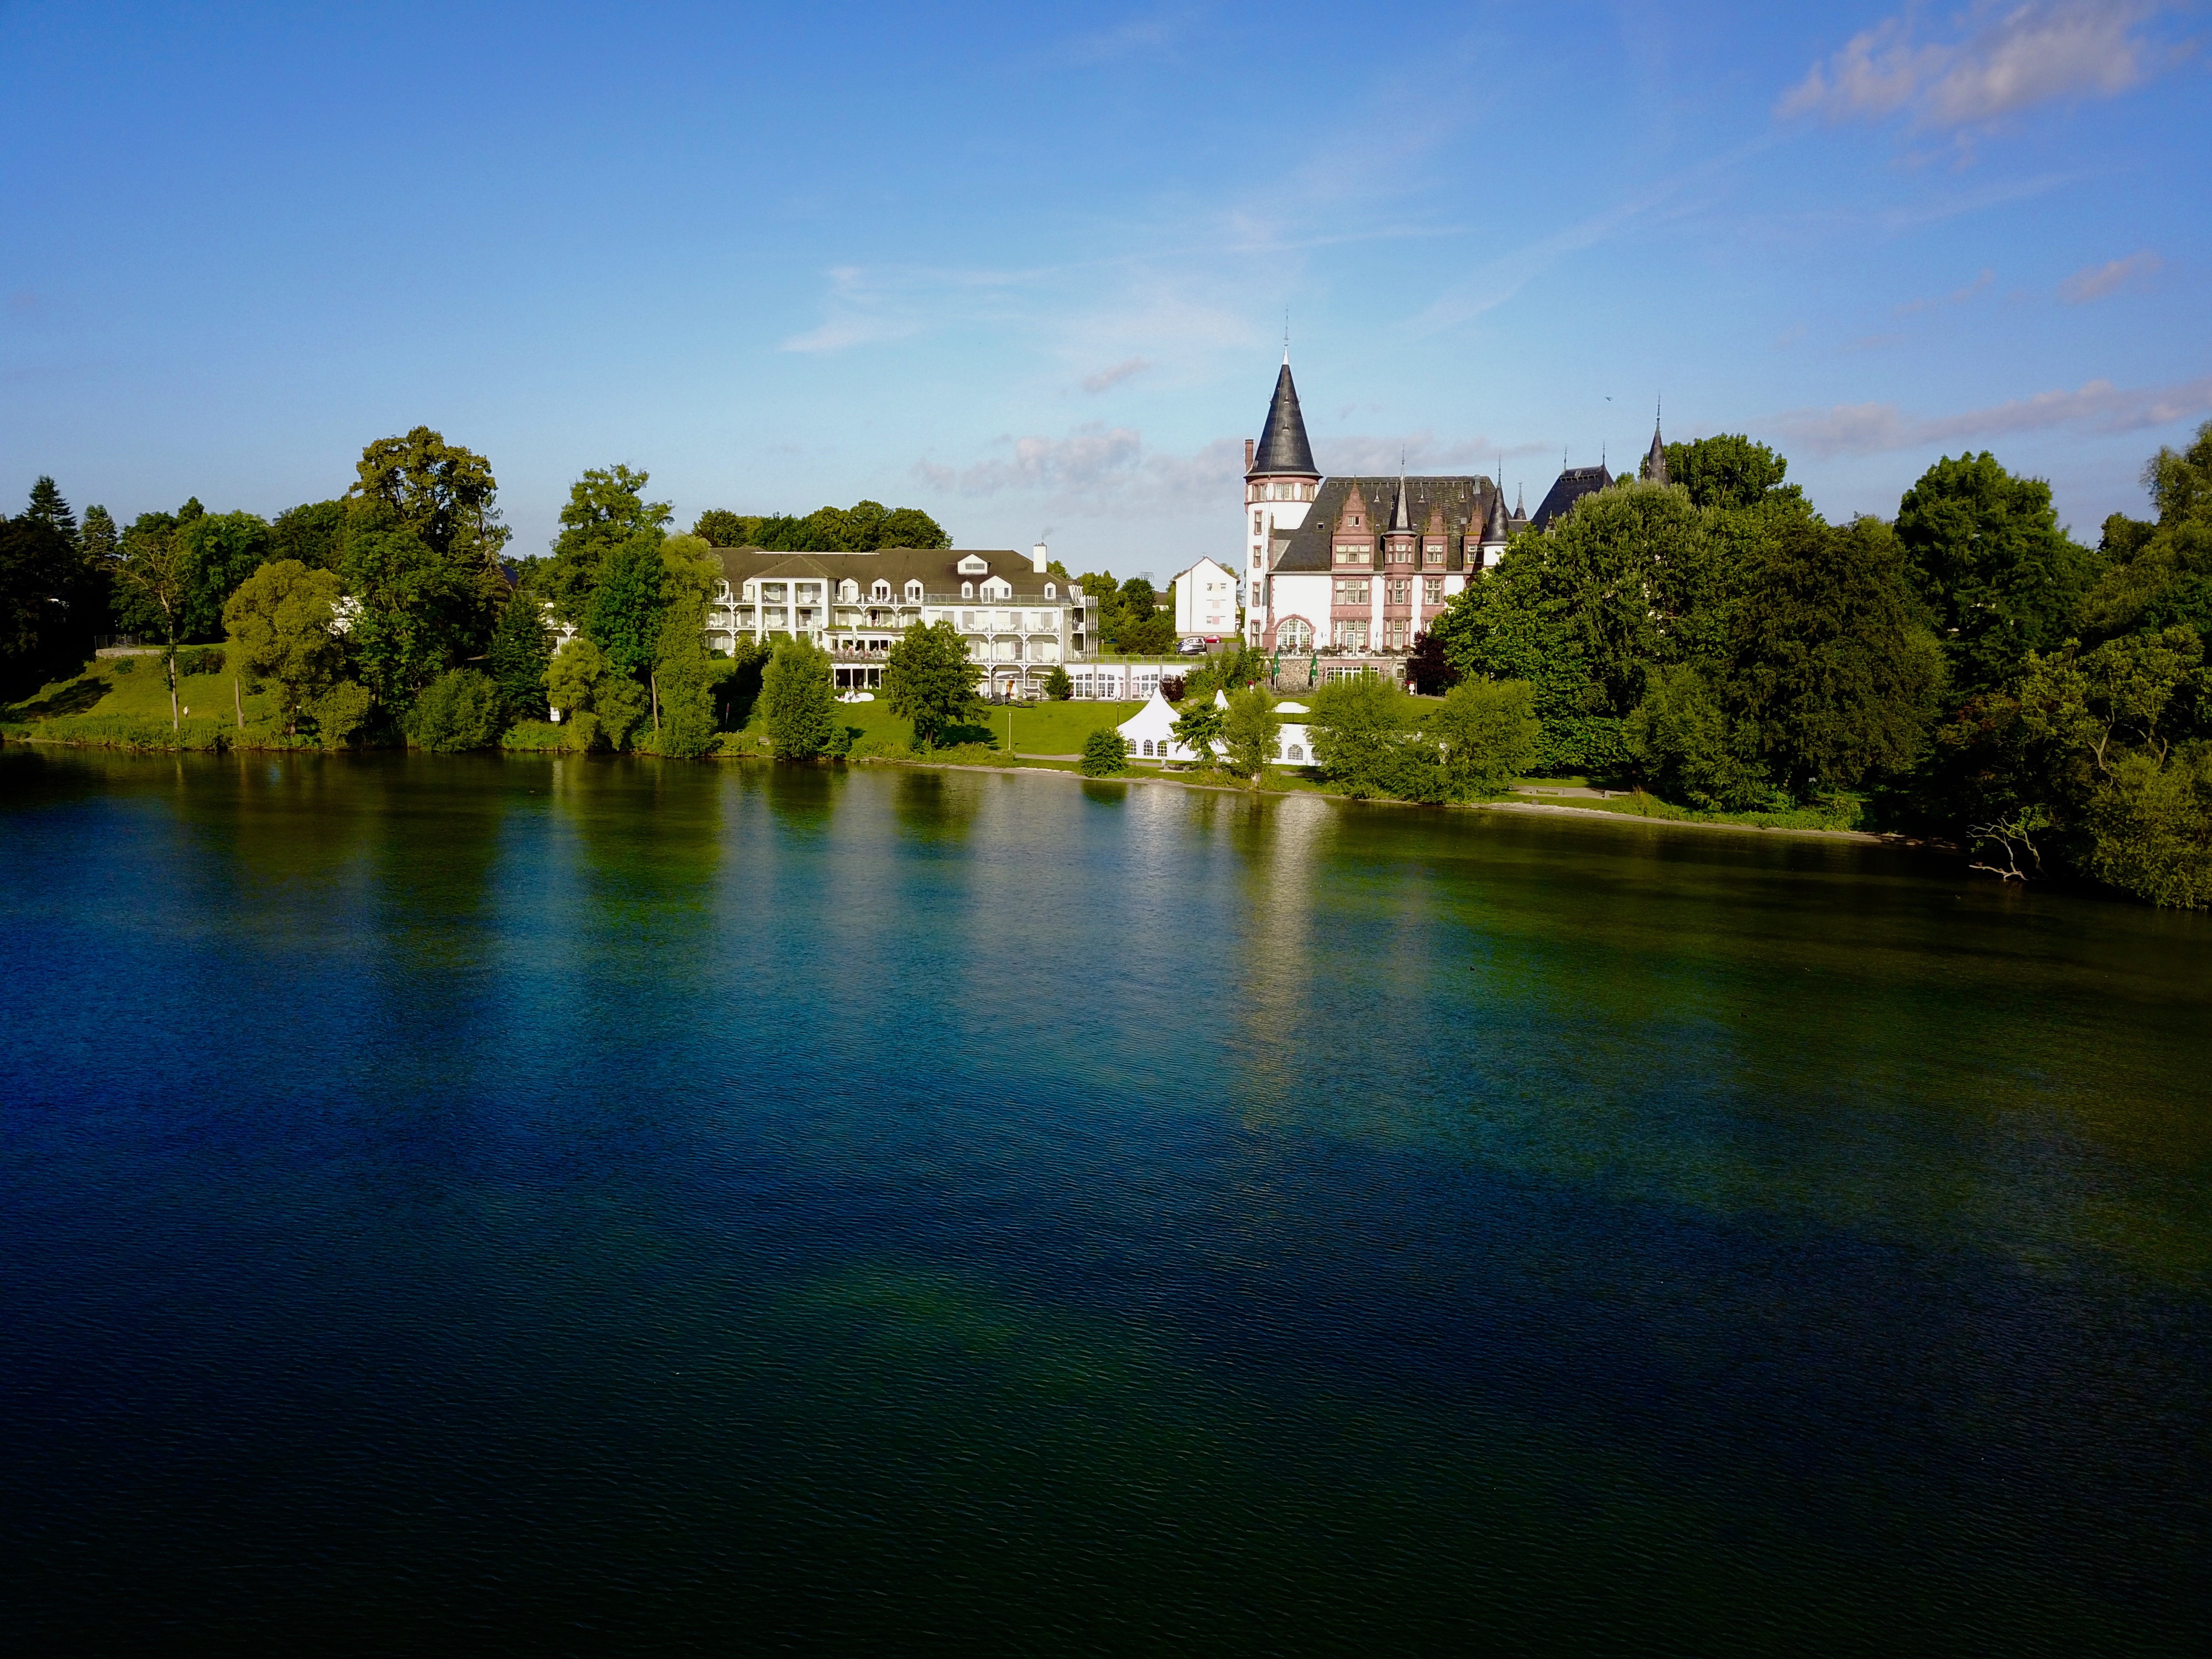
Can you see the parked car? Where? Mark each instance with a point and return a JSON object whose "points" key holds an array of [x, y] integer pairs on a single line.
{"points": [[1193, 646]]}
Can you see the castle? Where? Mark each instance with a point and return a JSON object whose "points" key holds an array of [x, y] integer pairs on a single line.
{"points": [[1364, 565]]}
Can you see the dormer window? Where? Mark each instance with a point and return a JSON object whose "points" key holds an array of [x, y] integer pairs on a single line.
{"points": [[848, 589], [913, 593], [967, 590], [1051, 591], [974, 565], [881, 590]]}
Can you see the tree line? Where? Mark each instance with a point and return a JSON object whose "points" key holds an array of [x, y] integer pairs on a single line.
{"points": [[390, 613], [1967, 669]]}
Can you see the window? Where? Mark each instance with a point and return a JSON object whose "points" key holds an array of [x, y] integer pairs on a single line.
{"points": [[1148, 745], [1258, 524], [849, 589], [1401, 591], [1432, 590], [1294, 634], [1352, 553], [1401, 554], [966, 622], [967, 590], [774, 590], [1255, 562], [1351, 592], [913, 593], [1433, 553], [1298, 753], [1051, 591], [881, 590]]}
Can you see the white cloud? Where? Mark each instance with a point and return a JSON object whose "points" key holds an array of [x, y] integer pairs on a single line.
{"points": [[1094, 384], [1378, 457], [1873, 429], [2004, 59], [1097, 469], [2095, 282]]}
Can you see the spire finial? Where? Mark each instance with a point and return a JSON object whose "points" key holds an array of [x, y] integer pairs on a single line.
{"points": [[1287, 336]]}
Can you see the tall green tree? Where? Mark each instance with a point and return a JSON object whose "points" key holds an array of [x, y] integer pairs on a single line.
{"points": [[48, 507], [1999, 577], [1483, 737], [40, 573], [313, 534], [2159, 573], [221, 551], [442, 494], [1361, 729], [1833, 674], [623, 617], [1198, 727], [155, 582], [798, 701], [930, 680], [606, 510], [416, 611], [1249, 732], [1727, 472], [521, 650], [279, 621]]}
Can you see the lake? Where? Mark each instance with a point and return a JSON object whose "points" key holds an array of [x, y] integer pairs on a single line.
{"points": [[587, 1206]]}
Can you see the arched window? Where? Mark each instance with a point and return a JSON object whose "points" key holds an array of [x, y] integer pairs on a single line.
{"points": [[1297, 753], [1148, 745], [967, 590], [1294, 634]]}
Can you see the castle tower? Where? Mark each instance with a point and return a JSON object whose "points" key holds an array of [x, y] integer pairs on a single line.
{"points": [[1279, 481], [1655, 459]]}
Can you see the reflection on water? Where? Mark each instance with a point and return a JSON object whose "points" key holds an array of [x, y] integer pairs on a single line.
{"points": [[591, 1203]]}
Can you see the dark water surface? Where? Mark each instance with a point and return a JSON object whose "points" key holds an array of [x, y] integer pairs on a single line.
{"points": [[578, 1206]]}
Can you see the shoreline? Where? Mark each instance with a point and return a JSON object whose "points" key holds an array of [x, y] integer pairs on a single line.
{"points": [[1534, 807]]}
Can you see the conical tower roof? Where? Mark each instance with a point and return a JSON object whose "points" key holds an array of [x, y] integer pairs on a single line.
{"points": [[1655, 459], [1494, 526], [1283, 445], [1400, 518]]}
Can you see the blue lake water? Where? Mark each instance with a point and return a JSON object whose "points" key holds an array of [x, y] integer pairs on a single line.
{"points": [[467, 1205]]}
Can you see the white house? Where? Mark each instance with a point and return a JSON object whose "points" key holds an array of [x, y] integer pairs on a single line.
{"points": [[1206, 601]]}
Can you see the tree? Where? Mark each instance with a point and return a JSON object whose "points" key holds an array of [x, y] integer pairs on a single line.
{"points": [[313, 534], [1105, 752], [1834, 675], [1429, 668], [1484, 737], [220, 551], [47, 508], [606, 511], [2158, 574], [685, 678], [442, 494], [930, 680], [458, 710], [1057, 685], [574, 675], [1198, 727], [624, 615], [97, 540], [279, 624], [1249, 732], [521, 650], [152, 572], [798, 701], [719, 527], [416, 611], [1359, 728], [1728, 471], [40, 576], [863, 527], [1685, 744], [1998, 575]]}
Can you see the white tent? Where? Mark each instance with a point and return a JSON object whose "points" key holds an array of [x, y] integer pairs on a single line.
{"points": [[1149, 733], [1292, 746]]}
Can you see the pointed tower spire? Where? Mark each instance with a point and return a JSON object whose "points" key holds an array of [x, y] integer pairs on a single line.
{"points": [[1283, 445], [1401, 517], [1655, 460]]}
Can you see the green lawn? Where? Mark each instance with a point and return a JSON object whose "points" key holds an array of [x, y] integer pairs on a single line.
{"points": [[1051, 728], [108, 701]]}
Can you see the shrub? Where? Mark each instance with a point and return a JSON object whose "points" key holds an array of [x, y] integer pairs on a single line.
{"points": [[880, 746], [457, 710], [534, 737], [341, 712], [1057, 685], [202, 660], [1105, 753], [126, 665], [798, 701], [1487, 732]]}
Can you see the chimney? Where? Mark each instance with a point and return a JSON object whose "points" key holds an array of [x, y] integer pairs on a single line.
{"points": [[1247, 454], [1037, 560]]}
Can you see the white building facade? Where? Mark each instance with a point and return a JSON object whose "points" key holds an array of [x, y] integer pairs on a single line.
{"points": [[1020, 621], [1206, 601]]}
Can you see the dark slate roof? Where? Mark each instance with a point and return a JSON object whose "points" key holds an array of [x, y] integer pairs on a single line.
{"points": [[1570, 487], [1655, 459], [1495, 525], [937, 567], [1400, 518], [1283, 445], [1464, 502]]}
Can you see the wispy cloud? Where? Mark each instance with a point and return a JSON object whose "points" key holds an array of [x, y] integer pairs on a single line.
{"points": [[868, 304], [2000, 60], [1876, 428], [1139, 37], [1097, 469], [1375, 456], [1957, 296], [2095, 282], [1107, 378]]}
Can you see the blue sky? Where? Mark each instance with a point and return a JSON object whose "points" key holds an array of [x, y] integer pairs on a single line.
{"points": [[1028, 267]]}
